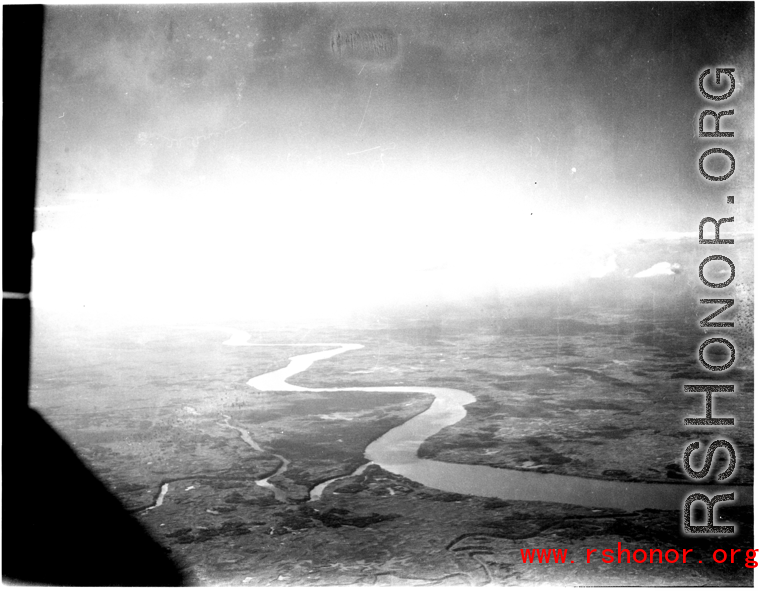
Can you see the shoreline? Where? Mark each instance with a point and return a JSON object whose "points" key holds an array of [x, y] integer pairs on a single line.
{"points": [[397, 449], [544, 470]]}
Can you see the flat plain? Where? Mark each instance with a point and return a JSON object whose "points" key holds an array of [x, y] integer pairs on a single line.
{"points": [[158, 413]]}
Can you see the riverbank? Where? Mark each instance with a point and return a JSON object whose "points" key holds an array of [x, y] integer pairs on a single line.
{"points": [[397, 451], [142, 431], [380, 528], [576, 410]]}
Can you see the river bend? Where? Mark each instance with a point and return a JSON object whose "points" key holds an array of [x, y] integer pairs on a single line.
{"points": [[396, 451]]}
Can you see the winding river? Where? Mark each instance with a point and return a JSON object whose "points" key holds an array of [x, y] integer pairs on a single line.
{"points": [[279, 494], [396, 451]]}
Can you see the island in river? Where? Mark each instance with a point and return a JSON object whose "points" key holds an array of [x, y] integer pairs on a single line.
{"points": [[223, 474]]}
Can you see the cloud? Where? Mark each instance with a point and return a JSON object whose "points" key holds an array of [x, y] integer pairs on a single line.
{"points": [[660, 269]]}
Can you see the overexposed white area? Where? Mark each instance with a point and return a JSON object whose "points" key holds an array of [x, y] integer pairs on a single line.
{"points": [[322, 246]]}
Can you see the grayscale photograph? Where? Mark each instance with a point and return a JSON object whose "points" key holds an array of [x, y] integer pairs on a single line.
{"points": [[401, 294]]}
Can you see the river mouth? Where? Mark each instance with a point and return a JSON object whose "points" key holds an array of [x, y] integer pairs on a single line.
{"points": [[397, 451]]}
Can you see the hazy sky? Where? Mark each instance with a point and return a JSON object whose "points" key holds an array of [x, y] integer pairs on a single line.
{"points": [[250, 157]]}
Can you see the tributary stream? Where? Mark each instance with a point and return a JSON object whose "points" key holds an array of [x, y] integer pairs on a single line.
{"points": [[396, 451]]}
